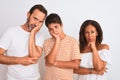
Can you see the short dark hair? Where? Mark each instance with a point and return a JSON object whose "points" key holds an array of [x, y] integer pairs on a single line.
{"points": [[82, 39], [39, 7], [53, 18]]}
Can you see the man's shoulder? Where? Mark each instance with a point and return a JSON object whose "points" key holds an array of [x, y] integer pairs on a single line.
{"points": [[9, 30], [71, 38], [12, 28], [48, 39]]}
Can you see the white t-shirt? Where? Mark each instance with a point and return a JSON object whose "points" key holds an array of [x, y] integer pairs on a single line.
{"points": [[86, 62], [15, 41]]}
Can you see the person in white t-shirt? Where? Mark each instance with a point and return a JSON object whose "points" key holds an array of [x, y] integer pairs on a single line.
{"points": [[95, 56], [21, 46]]}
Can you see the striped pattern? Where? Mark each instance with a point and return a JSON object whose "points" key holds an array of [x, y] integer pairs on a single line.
{"points": [[69, 50]]}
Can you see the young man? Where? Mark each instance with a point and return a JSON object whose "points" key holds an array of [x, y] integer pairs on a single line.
{"points": [[22, 46], [62, 53]]}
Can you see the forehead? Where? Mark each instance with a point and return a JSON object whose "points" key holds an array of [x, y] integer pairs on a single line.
{"points": [[90, 27], [38, 14], [53, 25]]}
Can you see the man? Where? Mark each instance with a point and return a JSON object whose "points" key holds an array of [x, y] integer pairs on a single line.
{"points": [[62, 53], [22, 46]]}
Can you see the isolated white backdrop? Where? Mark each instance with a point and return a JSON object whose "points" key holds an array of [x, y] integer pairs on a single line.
{"points": [[73, 13]]}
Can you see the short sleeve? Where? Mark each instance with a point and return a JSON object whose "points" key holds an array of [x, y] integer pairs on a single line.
{"points": [[39, 41], [46, 47], [5, 40], [106, 56], [75, 51]]}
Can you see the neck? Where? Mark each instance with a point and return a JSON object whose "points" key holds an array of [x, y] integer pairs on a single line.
{"points": [[25, 27], [62, 36]]}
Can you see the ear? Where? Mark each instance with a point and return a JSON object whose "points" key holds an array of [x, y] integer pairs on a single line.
{"points": [[28, 14], [96, 33], [62, 25]]}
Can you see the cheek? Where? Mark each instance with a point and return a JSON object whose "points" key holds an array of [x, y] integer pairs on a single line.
{"points": [[40, 25], [50, 31], [86, 36]]}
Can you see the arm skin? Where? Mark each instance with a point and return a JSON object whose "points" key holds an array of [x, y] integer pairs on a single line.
{"points": [[73, 64], [85, 71], [97, 62], [99, 65], [34, 51], [51, 59], [10, 60]]}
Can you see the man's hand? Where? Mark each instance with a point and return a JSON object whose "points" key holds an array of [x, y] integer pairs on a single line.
{"points": [[28, 60]]}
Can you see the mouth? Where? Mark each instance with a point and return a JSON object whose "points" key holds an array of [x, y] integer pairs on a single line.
{"points": [[31, 27], [89, 39]]}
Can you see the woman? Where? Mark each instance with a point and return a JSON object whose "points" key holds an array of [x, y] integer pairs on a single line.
{"points": [[95, 55]]}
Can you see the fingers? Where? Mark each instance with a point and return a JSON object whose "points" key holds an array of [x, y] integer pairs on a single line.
{"points": [[53, 34], [35, 29], [106, 69], [28, 60], [89, 44], [33, 60]]}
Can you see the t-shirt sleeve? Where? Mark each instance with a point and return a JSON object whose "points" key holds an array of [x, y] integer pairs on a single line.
{"points": [[39, 41], [46, 48], [75, 51], [5, 40]]}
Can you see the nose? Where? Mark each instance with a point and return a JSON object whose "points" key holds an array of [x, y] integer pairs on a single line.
{"points": [[89, 34], [54, 30], [36, 23]]}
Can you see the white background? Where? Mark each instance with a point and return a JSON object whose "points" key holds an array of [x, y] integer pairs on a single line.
{"points": [[73, 13]]}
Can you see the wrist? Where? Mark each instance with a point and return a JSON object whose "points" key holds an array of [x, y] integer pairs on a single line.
{"points": [[90, 70], [55, 63]]}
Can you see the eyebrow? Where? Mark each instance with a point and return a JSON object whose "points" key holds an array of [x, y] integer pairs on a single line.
{"points": [[38, 19]]}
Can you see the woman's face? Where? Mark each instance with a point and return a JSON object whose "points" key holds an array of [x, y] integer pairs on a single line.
{"points": [[90, 33]]}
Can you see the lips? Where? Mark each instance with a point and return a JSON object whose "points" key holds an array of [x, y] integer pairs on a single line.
{"points": [[89, 39], [31, 27]]}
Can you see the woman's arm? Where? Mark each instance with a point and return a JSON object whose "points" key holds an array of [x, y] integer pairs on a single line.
{"points": [[85, 71], [97, 62]]}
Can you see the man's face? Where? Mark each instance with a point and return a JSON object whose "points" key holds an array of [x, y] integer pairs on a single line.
{"points": [[36, 19], [55, 28]]}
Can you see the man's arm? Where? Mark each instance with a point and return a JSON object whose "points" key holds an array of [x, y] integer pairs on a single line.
{"points": [[74, 64], [34, 50], [51, 57], [10, 60]]}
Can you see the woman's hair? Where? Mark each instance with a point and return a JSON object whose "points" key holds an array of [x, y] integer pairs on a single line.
{"points": [[82, 39]]}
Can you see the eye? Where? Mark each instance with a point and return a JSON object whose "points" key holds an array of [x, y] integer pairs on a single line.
{"points": [[56, 27], [50, 29], [92, 32], [35, 18], [86, 32]]}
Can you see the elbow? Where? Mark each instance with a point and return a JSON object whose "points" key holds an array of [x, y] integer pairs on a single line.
{"points": [[50, 61], [99, 68], [77, 63], [76, 67]]}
